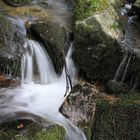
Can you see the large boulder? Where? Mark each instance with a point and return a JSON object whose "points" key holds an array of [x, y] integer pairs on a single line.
{"points": [[11, 46], [96, 33], [52, 36], [103, 51], [16, 3], [102, 116]]}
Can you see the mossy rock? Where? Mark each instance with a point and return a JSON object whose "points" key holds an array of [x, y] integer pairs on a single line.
{"points": [[85, 8], [96, 39], [119, 120], [11, 46], [16, 3], [52, 36], [31, 131]]}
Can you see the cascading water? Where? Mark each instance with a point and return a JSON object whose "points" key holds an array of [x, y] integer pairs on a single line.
{"points": [[41, 92], [42, 64]]}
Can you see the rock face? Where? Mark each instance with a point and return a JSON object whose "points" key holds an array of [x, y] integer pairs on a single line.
{"points": [[101, 116], [101, 50], [118, 120], [52, 36], [11, 46], [96, 38], [16, 3], [80, 106]]}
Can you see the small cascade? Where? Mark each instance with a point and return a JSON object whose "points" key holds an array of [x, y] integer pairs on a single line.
{"points": [[41, 92], [123, 67], [35, 52], [71, 65]]}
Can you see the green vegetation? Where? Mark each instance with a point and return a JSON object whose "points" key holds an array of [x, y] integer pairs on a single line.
{"points": [[84, 8], [34, 132], [117, 120]]}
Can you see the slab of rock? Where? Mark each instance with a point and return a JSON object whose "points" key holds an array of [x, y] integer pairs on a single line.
{"points": [[100, 46]]}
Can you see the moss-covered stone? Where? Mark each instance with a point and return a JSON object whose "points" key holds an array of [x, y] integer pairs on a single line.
{"points": [[102, 116], [52, 36], [100, 43], [117, 121], [85, 8], [11, 46], [31, 131], [17, 3]]}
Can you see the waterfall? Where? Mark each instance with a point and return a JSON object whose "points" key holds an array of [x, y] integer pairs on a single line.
{"points": [[71, 66], [43, 64], [41, 92]]}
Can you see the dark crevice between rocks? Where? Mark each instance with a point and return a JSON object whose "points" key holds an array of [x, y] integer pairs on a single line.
{"points": [[17, 3]]}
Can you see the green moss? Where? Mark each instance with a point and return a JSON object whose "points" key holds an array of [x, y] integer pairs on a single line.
{"points": [[54, 133], [84, 8], [118, 120], [123, 99]]}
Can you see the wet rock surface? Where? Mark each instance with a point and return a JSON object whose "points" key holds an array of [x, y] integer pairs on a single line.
{"points": [[5, 82], [103, 116], [96, 46], [27, 129], [11, 41], [52, 36], [11, 47], [101, 45], [80, 105]]}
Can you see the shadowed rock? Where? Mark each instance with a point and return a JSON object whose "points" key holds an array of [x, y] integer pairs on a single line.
{"points": [[11, 47], [52, 36], [16, 3]]}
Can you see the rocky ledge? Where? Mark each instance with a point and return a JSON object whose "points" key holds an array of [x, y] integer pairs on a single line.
{"points": [[102, 116]]}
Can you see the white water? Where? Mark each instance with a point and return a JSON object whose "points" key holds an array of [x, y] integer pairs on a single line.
{"points": [[41, 92], [71, 66]]}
